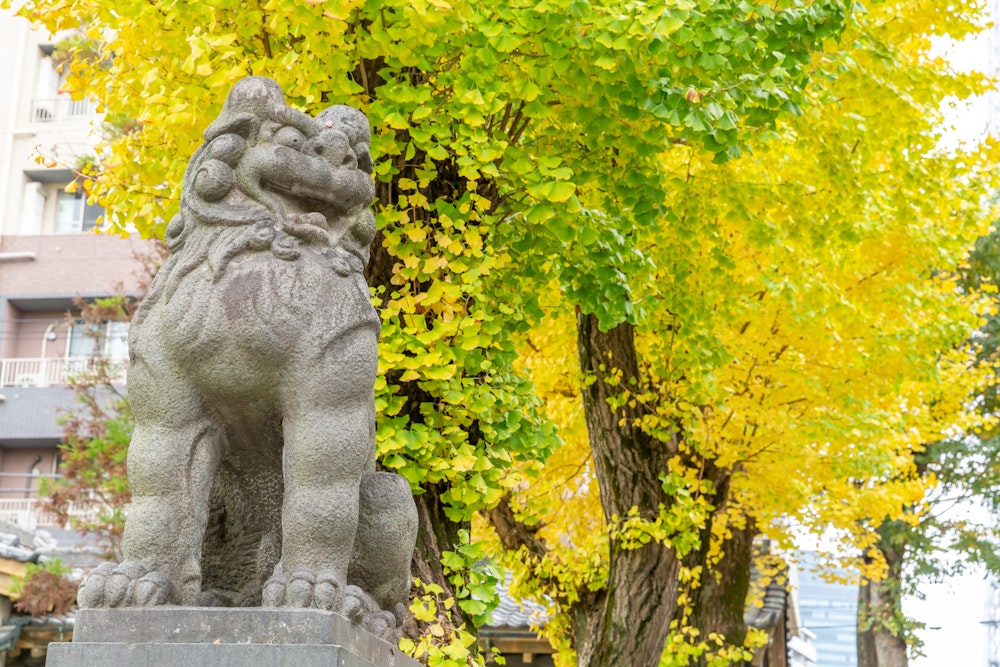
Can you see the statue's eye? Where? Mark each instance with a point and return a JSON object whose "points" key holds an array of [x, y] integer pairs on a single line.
{"points": [[289, 136]]}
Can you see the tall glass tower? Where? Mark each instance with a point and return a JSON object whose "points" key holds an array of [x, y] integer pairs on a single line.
{"points": [[829, 610]]}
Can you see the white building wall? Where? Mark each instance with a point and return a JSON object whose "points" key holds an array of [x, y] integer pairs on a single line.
{"points": [[35, 120]]}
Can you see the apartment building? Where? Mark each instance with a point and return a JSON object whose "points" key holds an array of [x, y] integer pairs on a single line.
{"points": [[49, 256]]}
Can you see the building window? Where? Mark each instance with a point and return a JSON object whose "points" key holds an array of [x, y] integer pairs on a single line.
{"points": [[108, 339], [49, 104], [74, 214]]}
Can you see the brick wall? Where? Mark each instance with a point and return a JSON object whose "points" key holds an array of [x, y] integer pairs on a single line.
{"points": [[70, 264]]}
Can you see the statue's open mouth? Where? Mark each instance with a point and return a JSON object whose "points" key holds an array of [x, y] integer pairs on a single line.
{"points": [[301, 198]]}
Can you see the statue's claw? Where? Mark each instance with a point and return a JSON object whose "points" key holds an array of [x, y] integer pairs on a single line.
{"points": [[91, 595], [299, 592], [327, 593], [383, 624], [363, 611], [354, 605], [129, 584], [274, 591], [152, 589]]}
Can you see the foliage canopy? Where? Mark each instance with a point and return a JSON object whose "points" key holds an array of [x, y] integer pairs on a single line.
{"points": [[789, 320]]}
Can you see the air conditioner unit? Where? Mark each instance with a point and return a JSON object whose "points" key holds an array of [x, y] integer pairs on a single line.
{"points": [[28, 380]]}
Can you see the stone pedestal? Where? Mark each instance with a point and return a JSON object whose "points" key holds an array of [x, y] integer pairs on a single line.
{"points": [[224, 637]]}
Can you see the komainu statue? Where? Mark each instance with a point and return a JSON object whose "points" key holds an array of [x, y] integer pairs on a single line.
{"points": [[253, 359]]}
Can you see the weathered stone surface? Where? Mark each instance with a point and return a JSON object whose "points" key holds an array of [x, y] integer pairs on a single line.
{"points": [[253, 359], [190, 626], [218, 655]]}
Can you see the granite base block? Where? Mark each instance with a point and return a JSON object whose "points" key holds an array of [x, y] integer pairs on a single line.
{"points": [[89, 654], [161, 636]]}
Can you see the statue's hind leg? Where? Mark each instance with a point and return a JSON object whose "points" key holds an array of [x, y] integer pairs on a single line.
{"points": [[383, 548], [172, 462]]}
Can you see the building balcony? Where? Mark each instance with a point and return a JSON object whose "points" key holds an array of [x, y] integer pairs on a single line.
{"points": [[27, 513], [56, 109], [21, 504], [30, 513], [54, 371]]}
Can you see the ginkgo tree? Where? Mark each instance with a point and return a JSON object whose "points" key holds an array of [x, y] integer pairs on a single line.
{"points": [[954, 527], [541, 162], [798, 340]]}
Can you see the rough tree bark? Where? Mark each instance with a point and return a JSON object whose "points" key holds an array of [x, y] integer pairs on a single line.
{"points": [[627, 622], [880, 641], [718, 604], [436, 535]]}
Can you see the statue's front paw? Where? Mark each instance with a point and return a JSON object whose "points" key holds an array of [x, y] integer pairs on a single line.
{"points": [[322, 590], [305, 589], [129, 584]]}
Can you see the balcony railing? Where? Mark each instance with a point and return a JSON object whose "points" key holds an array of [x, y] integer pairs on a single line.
{"points": [[20, 503], [50, 110], [53, 371], [28, 513]]}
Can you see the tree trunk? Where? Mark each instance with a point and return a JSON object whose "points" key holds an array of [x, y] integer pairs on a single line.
{"points": [[627, 622], [880, 643], [436, 534], [718, 603]]}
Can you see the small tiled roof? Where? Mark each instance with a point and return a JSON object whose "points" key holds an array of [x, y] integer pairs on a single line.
{"points": [[23, 545], [511, 613], [29, 414]]}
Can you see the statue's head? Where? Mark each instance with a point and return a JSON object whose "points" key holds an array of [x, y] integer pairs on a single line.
{"points": [[289, 178], [283, 159]]}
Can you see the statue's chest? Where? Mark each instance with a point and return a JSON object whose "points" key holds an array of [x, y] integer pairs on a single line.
{"points": [[264, 306]]}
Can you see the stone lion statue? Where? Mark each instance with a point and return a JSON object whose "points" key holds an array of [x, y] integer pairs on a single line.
{"points": [[253, 359]]}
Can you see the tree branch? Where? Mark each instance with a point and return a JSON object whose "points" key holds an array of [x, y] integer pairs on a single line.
{"points": [[514, 533]]}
